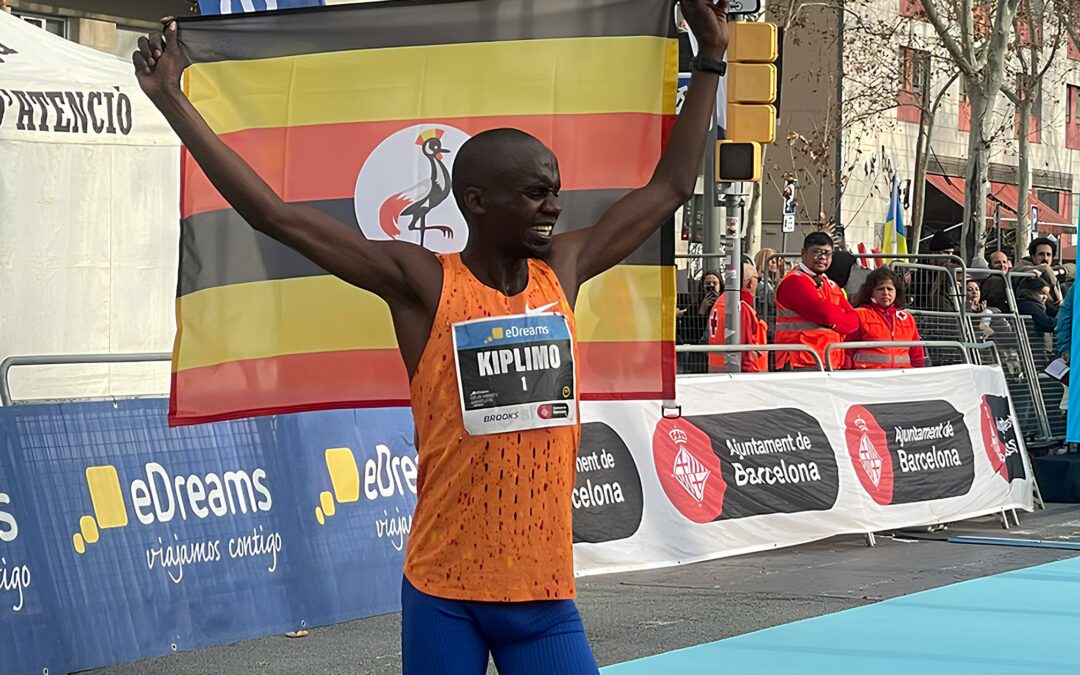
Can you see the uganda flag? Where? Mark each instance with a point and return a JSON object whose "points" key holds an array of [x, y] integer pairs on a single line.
{"points": [[331, 107]]}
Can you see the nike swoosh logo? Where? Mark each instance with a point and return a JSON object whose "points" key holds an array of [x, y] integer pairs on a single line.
{"points": [[537, 310]]}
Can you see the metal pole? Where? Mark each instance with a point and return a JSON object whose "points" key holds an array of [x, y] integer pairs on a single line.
{"points": [[711, 239], [733, 231]]}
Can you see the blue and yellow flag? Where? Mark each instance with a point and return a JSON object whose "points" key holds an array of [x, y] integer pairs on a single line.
{"points": [[895, 239]]}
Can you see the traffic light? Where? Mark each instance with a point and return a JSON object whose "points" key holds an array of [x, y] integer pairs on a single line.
{"points": [[736, 162], [752, 84]]}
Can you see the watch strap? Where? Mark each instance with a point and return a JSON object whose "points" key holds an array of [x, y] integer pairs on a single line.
{"points": [[708, 65]]}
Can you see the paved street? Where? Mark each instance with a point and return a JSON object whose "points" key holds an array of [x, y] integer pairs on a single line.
{"points": [[637, 614]]}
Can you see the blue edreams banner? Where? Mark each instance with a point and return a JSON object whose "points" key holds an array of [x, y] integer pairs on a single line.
{"points": [[121, 538]]}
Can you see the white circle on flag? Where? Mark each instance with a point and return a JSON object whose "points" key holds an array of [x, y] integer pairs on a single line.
{"points": [[403, 189]]}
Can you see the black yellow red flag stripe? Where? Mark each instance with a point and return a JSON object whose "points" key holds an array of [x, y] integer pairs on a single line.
{"points": [[328, 105]]}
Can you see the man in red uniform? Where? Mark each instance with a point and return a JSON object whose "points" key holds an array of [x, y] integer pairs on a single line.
{"points": [[811, 309], [752, 330]]}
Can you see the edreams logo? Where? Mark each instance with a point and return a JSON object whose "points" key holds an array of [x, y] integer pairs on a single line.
{"points": [[160, 497], [688, 469], [386, 476], [15, 577], [499, 333]]}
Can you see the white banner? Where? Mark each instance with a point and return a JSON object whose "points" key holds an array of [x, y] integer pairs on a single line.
{"points": [[763, 461], [89, 213]]}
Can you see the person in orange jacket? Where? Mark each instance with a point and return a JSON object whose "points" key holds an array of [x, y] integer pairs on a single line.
{"points": [[752, 330], [880, 305]]}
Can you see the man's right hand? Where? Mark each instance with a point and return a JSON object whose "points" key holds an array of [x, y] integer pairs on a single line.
{"points": [[157, 62]]}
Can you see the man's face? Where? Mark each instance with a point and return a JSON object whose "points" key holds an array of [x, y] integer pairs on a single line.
{"points": [[523, 205], [751, 281], [818, 257], [1000, 261], [711, 284], [1044, 255], [944, 262]]}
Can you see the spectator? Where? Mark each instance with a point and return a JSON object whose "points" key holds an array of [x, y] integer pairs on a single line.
{"points": [[1066, 349], [848, 274], [771, 271], [811, 309], [1040, 259], [976, 305], [1000, 260], [692, 318], [752, 330], [1063, 329], [993, 287], [880, 307], [936, 290], [1031, 301]]}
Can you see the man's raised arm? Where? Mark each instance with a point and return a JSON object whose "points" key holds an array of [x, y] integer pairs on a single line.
{"points": [[633, 219], [396, 271]]}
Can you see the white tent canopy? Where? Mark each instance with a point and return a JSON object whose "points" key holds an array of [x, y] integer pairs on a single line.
{"points": [[89, 206]]}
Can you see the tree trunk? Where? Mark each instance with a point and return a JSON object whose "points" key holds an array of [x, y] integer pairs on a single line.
{"points": [[973, 237], [1023, 180], [918, 199]]}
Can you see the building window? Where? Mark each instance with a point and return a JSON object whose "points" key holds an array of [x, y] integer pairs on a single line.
{"points": [[56, 26], [1073, 52], [915, 78], [1051, 198], [1072, 116]]}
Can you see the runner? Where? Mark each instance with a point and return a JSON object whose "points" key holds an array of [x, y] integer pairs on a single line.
{"points": [[488, 340]]}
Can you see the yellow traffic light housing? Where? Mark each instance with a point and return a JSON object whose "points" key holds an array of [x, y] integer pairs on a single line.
{"points": [[752, 42], [751, 83], [737, 162], [751, 123]]}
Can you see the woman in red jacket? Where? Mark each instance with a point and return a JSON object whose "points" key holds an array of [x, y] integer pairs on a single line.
{"points": [[880, 306]]}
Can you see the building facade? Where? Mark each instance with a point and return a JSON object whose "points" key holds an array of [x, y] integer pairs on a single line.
{"points": [[850, 119]]}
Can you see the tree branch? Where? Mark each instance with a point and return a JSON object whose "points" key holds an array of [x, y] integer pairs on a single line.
{"points": [[966, 66]]}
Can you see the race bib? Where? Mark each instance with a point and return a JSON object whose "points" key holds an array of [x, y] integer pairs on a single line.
{"points": [[515, 373]]}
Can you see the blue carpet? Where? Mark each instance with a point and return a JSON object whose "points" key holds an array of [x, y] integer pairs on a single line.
{"points": [[1020, 622]]}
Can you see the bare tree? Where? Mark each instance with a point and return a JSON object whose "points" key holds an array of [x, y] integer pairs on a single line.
{"points": [[976, 35], [1034, 57]]}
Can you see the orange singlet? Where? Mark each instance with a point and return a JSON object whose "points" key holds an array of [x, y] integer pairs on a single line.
{"points": [[493, 514]]}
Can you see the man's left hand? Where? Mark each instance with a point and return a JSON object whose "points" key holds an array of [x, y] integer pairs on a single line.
{"points": [[708, 22]]}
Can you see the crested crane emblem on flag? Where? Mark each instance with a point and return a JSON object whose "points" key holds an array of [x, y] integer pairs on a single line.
{"points": [[403, 190]]}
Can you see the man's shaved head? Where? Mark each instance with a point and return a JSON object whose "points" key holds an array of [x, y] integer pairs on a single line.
{"points": [[494, 155]]}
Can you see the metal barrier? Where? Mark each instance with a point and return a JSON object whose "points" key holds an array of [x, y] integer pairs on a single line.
{"points": [[961, 347], [1050, 390], [69, 359], [730, 349]]}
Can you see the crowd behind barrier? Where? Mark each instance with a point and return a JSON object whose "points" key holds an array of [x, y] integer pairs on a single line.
{"points": [[945, 297]]}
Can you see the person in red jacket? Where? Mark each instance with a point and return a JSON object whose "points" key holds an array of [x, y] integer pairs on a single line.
{"points": [[752, 330], [880, 307], [811, 309]]}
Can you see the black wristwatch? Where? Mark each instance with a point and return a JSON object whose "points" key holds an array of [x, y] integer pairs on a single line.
{"points": [[708, 65]]}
